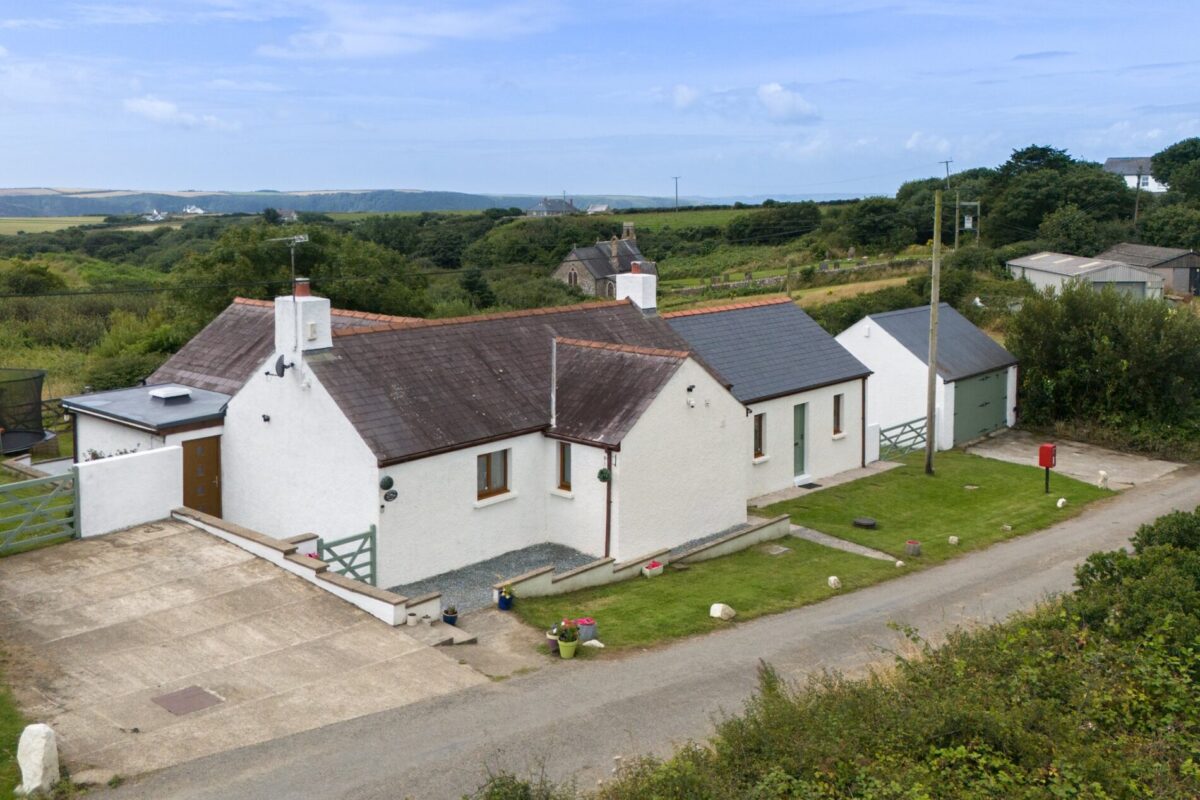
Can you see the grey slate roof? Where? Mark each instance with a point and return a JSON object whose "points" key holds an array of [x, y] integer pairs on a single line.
{"points": [[766, 348], [602, 390], [963, 350], [1128, 165], [223, 356], [597, 258], [138, 407], [424, 388], [1143, 255], [550, 205]]}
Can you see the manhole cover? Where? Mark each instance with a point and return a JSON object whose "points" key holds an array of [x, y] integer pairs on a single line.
{"points": [[864, 522], [775, 549], [185, 701]]}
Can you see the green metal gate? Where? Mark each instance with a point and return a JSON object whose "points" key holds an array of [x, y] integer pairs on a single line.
{"points": [[38, 511], [980, 405], [902, 439], [353, 556]]}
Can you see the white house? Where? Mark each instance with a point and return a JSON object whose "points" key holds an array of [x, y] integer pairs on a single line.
{"points": [[1047, 270], [976, 377], [806, 394], [1136, 172], [592, 426]]}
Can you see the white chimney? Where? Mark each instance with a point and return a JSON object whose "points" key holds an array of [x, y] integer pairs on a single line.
{"points": [[641, 287], [302, 321]]}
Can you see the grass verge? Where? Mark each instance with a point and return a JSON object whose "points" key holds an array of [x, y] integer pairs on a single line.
{"points": [[12, 722], [907, 504], [643, 612]]}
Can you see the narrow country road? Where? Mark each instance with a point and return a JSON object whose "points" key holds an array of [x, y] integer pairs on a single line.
{"points": [[574, 718]]}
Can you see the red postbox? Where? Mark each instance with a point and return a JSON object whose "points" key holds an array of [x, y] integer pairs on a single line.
{"points": [[1047, 455]]}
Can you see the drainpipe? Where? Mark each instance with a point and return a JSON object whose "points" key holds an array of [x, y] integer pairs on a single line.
{"points": [[863, 428], [608, 503]]}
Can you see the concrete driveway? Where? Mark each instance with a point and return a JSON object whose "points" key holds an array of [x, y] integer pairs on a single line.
{"points": [[1082, 461], [95, 630]]}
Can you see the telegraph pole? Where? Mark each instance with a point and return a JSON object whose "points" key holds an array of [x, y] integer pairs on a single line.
{"points": [[676, 179], [934, 292], [947, 162], [957, 219], [1137, 196]]}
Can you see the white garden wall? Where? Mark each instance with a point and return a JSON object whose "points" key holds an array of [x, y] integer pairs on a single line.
{"points": [[681, 472], [121, 491], [304, 469], [827, 453]]}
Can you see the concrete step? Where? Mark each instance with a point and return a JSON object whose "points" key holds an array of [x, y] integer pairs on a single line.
{"points": [[440, 634]]}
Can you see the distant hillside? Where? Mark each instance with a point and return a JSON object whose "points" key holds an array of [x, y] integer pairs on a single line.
{"points": [[40, 202]]}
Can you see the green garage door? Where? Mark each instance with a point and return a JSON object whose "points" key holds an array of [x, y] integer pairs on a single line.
{"points": [[980, 405]]}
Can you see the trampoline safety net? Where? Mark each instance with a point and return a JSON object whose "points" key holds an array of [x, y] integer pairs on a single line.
{"points": [[21, 400]]}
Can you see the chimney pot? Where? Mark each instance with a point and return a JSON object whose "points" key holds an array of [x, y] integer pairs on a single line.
{"points": [[302, 288], [635, 267]]}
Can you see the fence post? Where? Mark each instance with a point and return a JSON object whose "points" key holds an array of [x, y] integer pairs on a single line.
{"points": [[75, 505]]}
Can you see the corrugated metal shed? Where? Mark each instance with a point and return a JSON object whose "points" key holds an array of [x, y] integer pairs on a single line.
{"points": [[1064, 263], [766, 348], [963, 350], [1144, 255]]}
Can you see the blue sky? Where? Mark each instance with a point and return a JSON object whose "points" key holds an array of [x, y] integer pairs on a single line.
{"points": [[542, 96]]}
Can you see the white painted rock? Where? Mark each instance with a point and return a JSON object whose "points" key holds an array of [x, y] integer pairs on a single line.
{"points": [[953, 540], [1062, 501], [721, 611], [899, 564], [593, 643], [1102, 482], [37, 753], [834, 582]]}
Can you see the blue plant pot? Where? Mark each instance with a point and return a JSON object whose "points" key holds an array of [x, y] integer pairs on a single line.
{"points": [[450, 619], [505, 603]]}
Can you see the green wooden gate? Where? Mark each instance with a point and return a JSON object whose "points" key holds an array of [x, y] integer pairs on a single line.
{"points": [[353, 556], [980, 405], [38, 511]]}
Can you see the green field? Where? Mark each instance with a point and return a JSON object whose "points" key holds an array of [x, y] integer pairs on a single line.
{"points": [[663, 220], [13, 225]]}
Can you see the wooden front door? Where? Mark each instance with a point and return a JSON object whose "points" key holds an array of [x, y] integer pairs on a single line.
{"points": [[202, 475]]}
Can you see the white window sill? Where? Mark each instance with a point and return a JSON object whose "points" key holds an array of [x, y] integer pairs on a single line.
{"points": [[760, 460], [837, 436], [564, 493], [491, 501]]}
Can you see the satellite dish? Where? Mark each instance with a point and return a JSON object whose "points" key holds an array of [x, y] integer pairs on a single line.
{"points": [[280, 367]]}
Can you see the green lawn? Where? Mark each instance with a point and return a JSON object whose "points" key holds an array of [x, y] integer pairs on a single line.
{"points": [[11, 724], [643, 612], [907, 504]]}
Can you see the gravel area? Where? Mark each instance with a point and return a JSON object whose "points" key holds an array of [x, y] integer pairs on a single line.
{"points": [[683, 548], [470, 588]]}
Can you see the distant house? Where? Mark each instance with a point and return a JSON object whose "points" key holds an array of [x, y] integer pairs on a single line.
{"points": [[193, 210], [805, 392], [155, 216], [1135, 170], [1054, 270], [552, 207], [594, 269], [599, 208], [976, 378], [1179, 269], [287, 215]]}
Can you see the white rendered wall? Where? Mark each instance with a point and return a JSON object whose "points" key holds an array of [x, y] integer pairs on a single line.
{"points": [[305, 471], [681, 472], [576, 518], [944, 430], [1151, 185], [436, 523], [826, 454], [121, 491], [93, 433], [896, 392]]}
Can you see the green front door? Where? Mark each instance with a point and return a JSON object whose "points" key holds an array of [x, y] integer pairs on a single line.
{"points": [[799, 413], [980, 405]]}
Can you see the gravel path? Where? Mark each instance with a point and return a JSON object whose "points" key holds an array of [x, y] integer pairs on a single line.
{"points": [[470, 588]]}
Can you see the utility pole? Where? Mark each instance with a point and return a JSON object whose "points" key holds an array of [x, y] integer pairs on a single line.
{"points": [[957, 219], [947, 162], [934, 292], [676, 178], [1137, 196]]}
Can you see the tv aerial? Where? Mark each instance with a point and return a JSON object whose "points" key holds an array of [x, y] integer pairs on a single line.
{"points": [[292, 241]]}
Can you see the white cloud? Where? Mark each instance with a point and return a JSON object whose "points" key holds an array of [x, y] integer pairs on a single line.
{"points": [[683, 95], [3, 51], [167, 113], [229, 85], [926, 142], [785, 105]]}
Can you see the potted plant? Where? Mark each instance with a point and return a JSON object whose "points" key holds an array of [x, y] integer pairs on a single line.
{"points": [[552, 640], [450, 615], [506, 597], [652, 569], [568, 638]]}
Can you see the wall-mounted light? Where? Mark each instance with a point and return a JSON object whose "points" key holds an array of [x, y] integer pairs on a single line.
{"points": [[386, 482], [691, 388], [266, 417]]}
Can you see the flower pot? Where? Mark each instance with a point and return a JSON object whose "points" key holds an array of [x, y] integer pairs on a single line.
{"points": [[587, 628], [567, 649], [504, 603], [552, 641], [450, 619], [652, 569], [912, 548]]}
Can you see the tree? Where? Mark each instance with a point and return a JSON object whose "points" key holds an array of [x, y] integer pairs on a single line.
{"points": [[475, 285], [1172, 226], [1070, 230], [779, 222], [1185, 181], [1018, 210], [1034, 158], [877, 222], [1164, 163], [271, 216], [18, 277]]}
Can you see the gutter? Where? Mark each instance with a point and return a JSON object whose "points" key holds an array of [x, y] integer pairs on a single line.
{"points": [[862, 439], [608, 503]]}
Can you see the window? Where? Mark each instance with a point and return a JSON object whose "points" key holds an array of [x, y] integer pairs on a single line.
{"points": [[837, 413], [1145, 181], [760, 435], [564, 466], [572, 278], [492, 473]]}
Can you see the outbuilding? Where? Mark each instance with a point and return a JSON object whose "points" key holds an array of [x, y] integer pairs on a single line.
{"points": [[976, 377], [1179, 268], [1047, 270]]}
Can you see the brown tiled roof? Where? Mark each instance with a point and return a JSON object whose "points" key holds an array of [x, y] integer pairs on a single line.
{"points": [[223, 356], [415, 390], [602, 388], [691, 312]]}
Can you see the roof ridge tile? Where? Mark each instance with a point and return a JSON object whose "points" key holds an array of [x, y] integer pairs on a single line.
{"points": [[691, 312], [340, 312], [411, 323], [623, 348]]}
